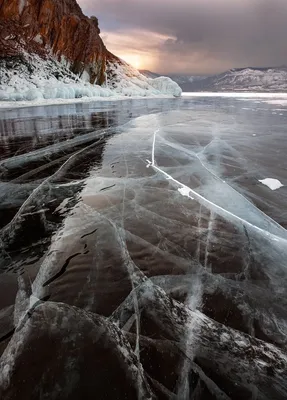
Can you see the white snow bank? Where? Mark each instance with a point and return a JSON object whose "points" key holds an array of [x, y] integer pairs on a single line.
{"points": [[36, 79], [273, 184]]}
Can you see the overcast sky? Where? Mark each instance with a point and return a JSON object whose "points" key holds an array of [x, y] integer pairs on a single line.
{"points": [[193, 36]]}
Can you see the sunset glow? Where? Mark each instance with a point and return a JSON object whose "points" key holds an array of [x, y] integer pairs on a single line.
{"points": [[193, 37], [132, 59]]}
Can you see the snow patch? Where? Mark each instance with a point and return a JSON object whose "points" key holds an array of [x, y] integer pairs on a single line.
{"points": [[62, 208], [273, 184], [185, 191], [85, 76], [38, 39]]}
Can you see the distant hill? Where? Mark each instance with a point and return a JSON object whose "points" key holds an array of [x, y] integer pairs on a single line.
{"points": [[237, 80]]}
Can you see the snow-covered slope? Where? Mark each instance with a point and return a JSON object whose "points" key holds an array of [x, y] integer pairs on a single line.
{"points": [[184, 81], [245, 80], [149, 74], [31, 78], [124, 79]]}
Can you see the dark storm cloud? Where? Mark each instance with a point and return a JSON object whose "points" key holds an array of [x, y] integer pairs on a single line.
{"points": [[202, 35]]}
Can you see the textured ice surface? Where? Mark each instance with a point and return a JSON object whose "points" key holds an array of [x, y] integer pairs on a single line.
{"points": [[166, 282]]}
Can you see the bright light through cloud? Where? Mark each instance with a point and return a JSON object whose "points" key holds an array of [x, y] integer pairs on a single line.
{"points": [[194, 36], [138, 48], [132, 59]]}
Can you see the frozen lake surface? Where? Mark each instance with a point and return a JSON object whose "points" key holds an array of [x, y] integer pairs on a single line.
{"points": [[142, 255]]}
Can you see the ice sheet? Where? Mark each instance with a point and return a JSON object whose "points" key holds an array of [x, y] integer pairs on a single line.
{"points": [[167, 281]]}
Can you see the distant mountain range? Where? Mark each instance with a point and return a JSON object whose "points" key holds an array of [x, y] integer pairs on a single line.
{"points": [[184, 81], [235, 80]]}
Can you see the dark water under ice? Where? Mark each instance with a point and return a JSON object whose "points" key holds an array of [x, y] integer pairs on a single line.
{"points": [[140, 256]]}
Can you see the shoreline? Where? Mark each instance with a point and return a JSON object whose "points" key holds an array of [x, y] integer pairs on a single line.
{"points": [[4, 105]]}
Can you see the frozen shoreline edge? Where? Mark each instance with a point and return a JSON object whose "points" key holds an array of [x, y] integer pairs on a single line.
{"points": [[51, 102], [4, 105]]}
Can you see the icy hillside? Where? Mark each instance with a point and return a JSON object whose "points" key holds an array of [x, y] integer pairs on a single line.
{"points": [[149, 74], [32, 78], [246, 79], [126, 80]]}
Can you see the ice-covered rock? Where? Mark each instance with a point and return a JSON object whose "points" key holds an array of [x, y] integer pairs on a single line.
{"points": [[33, 78]]}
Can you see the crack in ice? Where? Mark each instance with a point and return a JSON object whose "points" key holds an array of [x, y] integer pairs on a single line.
{"points": [[187, 191]]}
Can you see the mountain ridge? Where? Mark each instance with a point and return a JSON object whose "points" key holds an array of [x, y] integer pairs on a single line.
{"points": [[249, 79]]}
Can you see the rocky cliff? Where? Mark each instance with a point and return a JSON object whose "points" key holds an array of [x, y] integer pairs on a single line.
{"points": [[49, 49], [57, 28]]}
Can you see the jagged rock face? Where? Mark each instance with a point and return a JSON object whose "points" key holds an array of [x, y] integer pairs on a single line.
{"points": [[53, 26]]}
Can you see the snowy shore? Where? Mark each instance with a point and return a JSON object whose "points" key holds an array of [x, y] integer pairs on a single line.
{"points": [[40, 81]]}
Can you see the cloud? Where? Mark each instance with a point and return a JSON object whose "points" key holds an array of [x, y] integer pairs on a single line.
{"points": [[195, 36]]}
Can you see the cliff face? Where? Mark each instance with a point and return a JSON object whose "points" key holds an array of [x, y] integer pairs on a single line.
{"points": [[57, 28], [49, 49]]}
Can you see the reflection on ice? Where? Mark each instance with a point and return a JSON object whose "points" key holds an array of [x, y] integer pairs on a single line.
{"points": [[168, 281]]}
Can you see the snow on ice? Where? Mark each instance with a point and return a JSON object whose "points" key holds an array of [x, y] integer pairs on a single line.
{"points": [[273, 184]]}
